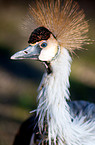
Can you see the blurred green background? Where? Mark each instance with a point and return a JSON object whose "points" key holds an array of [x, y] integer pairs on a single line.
{"points": [[19, 79]]}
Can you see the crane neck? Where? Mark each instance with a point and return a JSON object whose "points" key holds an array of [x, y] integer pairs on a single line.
{"points": [[53, 93], [53, 111]]}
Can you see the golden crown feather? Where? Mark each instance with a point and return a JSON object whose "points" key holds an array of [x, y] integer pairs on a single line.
{"points": [[64, 19]]}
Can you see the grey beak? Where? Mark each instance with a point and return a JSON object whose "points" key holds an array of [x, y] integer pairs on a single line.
{"points": [[31, 52]]}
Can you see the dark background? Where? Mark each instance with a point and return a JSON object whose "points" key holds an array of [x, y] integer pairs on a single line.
{"points": [[19, 79]]}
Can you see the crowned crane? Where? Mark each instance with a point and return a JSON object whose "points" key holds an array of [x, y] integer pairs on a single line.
{"points": [[61, 28]]}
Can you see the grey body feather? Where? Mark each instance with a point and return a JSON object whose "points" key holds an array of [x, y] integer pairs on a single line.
{"points": [[82, 108]]}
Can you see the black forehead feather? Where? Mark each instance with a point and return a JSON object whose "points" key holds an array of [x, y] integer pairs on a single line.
{"points": [[41, 33]]}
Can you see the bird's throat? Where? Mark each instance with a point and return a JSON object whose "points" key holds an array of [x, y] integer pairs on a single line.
{"points": [[48, 67]]}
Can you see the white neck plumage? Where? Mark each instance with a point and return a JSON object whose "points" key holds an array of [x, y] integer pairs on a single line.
{"points": [[53, 109], [52, 98]]}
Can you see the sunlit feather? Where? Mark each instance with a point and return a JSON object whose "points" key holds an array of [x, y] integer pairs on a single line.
{"points": [[64, 19]]}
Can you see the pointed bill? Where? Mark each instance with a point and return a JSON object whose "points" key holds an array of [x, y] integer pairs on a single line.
{"points": [[31, 52]]}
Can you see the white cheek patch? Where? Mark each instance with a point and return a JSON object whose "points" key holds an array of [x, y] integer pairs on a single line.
{"points": [[48, 53]]}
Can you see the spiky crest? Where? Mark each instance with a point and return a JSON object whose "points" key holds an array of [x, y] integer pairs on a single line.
{"points": [[64, 19]]}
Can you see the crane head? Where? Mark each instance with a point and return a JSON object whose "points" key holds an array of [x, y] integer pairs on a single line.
{"points": [[43, 46], [60, 25]]}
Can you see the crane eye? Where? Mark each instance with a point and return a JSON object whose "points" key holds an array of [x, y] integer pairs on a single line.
{"points": [[43, 45]]}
